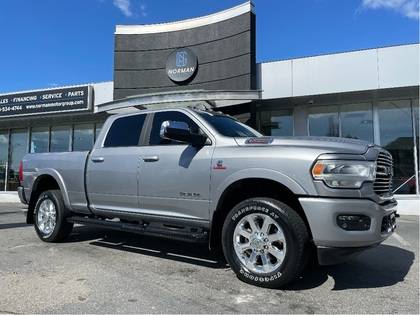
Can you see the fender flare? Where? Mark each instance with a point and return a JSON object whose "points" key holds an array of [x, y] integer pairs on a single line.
{"points": [[259, 173], [59, 179]]}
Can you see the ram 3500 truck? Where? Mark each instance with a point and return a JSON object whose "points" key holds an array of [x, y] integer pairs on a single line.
{"points": [[203, 176]]}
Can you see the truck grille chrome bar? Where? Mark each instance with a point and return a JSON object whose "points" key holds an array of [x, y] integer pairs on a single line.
{"points": [[384, 171]]}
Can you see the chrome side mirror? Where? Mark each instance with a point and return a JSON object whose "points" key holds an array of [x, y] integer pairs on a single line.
{"points": [[180, 131]]}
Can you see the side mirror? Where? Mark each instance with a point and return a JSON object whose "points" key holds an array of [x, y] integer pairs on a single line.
{"points": [[180, 131]]}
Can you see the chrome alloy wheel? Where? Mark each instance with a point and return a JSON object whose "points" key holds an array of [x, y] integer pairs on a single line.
{"points": [[259, 243], [46, 218]]}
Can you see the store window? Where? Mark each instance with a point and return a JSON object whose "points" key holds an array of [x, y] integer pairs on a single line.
{"points": [[348, 121], [4, 151], [18, 148], [396, 136], [40, 138], [83, 137], [98, 128], [417, 141], [357, 121], [277, 122], [60, 139], [323, 121]]}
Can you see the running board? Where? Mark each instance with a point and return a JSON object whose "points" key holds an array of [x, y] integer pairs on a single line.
{"points": [[170, 231]]}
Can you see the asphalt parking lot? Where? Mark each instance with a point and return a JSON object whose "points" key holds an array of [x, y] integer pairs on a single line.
{"points": [[101, 271]]}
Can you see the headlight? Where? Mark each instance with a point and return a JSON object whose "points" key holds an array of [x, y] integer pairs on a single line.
{"points": [[344, 174]]}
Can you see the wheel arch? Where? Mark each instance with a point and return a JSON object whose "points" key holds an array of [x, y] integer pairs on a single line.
{"points": [[46, 180], [251, 187]]}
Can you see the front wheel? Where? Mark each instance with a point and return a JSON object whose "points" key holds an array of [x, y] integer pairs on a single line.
{"points": [[50, 217], [265, 242]]}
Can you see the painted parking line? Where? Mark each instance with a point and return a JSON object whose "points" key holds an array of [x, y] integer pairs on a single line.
{"points": [[400, 239]]}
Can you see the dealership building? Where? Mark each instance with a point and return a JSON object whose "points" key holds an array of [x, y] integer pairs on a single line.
{"points": [[370, 94]]}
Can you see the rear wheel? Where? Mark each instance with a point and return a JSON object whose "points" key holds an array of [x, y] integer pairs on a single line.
{"points": [[50, 217], [265, 242]]}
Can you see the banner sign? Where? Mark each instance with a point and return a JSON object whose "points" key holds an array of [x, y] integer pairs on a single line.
{"points": [[45, 102]]}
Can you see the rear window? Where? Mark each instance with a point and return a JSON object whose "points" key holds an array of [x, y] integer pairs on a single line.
{"points": [[125, 131]]}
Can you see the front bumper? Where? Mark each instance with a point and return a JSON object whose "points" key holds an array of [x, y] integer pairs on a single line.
{"points": [[21, 194], [329, 237]]}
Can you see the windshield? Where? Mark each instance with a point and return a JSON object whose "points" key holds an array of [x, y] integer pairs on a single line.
{"points": [[228, 126]]}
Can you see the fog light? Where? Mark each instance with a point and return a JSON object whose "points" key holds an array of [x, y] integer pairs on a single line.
{"points": [[353, 222]]}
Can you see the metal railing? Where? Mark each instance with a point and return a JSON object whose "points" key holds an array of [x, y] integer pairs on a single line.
{"points": [[403, 184]]}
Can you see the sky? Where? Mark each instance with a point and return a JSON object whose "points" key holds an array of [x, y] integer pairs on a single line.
{"points": [[49, 43]]}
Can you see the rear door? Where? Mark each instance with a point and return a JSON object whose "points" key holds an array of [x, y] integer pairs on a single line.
{"points": [[112, 169], [174, 176]]}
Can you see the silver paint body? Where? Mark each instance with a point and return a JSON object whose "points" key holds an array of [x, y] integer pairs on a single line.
{"points": [[185, 182]]}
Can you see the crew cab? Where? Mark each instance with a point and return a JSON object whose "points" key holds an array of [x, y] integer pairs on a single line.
{"points": [[202, 176]]}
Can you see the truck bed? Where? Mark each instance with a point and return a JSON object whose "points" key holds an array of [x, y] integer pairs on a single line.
{"points": [[67, 168]]}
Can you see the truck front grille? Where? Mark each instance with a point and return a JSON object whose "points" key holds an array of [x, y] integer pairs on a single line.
{"points": [[384, 171]]}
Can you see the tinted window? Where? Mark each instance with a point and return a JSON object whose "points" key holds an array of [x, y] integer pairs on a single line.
{"points": [[159, 118], [18, 147], [323, 121], [227, 126], [83, 137], [277, 122], [60, 139], [125, 131], [39, 139], [396, 132], [357, 121], [98, 128]]}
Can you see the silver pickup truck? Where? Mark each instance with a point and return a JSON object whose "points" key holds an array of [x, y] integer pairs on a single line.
{"points": [[202, 176]]}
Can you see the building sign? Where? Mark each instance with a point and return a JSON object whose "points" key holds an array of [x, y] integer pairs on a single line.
{"points": [[181, 65], [47, 101]]}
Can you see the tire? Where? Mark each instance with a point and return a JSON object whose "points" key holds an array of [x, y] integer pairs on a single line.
{"points": [[50, 227], [284, 260]]}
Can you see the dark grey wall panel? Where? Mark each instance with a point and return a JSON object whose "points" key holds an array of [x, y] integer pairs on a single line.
{"points": [[208, 52], [206, 72], [236, 83], [184, 38], [225, 51]]}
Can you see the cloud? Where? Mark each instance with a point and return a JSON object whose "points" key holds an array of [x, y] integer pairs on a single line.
{"points": [[124, 6], [408, 8], [129, 9], [143, 10]]}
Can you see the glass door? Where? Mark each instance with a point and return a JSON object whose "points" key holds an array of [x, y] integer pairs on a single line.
{"points": [[4, 151], [18, 148], [398, 137]]}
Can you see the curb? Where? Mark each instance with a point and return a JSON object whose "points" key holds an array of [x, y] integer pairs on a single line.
{"points": [[9, 197]]}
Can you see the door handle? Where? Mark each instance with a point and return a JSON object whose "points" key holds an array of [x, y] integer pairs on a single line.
{"points": [[97, 159], [152, 158]]}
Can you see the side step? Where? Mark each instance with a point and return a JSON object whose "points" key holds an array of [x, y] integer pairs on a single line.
{"points": [[181, 233]]}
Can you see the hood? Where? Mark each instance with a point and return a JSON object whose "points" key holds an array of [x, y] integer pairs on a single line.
{"points": [[331, 144]]}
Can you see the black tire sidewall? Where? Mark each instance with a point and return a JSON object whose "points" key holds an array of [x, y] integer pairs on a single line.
{"points": [[280, 213], [56, 198]]}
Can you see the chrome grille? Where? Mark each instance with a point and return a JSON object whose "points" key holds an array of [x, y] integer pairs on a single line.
{"points": [[384, 172]]}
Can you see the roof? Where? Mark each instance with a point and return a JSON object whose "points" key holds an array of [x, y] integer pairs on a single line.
{"points": [[186, 24], [207, 98]]}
